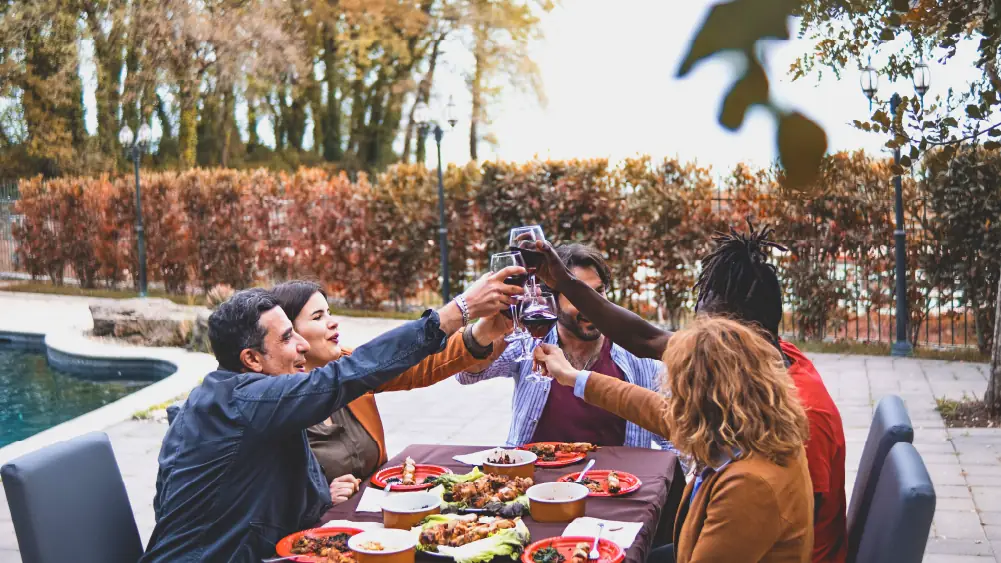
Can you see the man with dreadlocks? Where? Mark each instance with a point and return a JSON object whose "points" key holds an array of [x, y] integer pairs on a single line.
{"points": [[738, 282]]}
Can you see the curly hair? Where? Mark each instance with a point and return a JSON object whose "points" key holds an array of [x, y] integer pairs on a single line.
{"points": [[730, 393]]}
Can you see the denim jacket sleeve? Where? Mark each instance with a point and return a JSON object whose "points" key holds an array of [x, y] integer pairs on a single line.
{"points": [[288, 403]]}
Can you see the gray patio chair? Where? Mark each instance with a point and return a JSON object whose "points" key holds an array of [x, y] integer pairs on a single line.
{"points": [[902, 510], [68, 503], [890, 425]]}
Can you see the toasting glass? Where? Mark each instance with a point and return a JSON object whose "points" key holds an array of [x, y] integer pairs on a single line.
{"points": [[497, 263], [522, 239], [538, 317]]}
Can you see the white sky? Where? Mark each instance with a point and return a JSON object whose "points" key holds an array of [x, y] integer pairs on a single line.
{"points": [[609, 76], [608, 70]]}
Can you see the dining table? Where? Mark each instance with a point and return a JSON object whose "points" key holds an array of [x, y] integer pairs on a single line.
{"points": [[654, 504]]}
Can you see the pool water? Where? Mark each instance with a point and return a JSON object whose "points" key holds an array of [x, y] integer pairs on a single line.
{"points": [[34, 397]]}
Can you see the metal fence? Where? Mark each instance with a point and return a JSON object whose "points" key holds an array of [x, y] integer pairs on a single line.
{"points": [[865, 311]]}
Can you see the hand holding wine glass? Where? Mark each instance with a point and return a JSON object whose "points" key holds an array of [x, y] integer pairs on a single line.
{"points": [[538, 316], [551, 270], [554, 363], [490, 293], [501, 263]]}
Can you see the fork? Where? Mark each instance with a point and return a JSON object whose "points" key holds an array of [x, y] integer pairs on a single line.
{"points": [[594, 550]]}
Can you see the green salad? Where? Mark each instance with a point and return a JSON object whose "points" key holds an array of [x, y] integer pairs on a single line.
{"points": [[472, 539]]}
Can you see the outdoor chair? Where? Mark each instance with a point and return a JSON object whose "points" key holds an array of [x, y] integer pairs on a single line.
{"points": [[902, 510], [890, 425], [68, 503]]}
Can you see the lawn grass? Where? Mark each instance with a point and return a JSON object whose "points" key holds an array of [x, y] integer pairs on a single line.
{"points": [[147, 414], [105, 293], [870, 349]]}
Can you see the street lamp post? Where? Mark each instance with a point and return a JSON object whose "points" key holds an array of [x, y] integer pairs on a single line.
{"points": [[134, 148], [425, 124], [869, 81]]}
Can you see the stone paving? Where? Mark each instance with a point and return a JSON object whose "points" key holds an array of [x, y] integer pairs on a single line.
{"points": [[965, 464]]}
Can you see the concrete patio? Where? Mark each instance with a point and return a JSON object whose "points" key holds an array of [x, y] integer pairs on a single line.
{"points": [[965, 464]]}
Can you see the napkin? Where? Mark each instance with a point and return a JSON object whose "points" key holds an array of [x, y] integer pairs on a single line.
{"points": [[371, 499], [477, 458], [621, 533], [349, 524]]}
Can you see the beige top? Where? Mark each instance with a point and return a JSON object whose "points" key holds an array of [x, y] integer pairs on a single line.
{"points": [[342, 446]]}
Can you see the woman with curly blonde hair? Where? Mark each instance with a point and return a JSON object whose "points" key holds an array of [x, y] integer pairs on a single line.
{"points": [[733, 410]]}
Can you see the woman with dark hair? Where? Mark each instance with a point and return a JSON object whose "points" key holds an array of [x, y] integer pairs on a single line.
{"points": [[351, 444], [733, 410]]}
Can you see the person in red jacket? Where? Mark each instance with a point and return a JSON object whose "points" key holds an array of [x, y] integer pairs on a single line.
{"points": [[738, 282]]}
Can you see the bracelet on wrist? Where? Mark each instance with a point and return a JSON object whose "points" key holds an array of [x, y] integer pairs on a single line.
{"points": [[460, 301]]}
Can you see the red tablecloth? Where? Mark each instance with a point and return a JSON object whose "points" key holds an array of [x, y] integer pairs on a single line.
{"points": [[654, 504]]}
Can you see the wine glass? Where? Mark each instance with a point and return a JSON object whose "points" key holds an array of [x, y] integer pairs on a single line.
{"points": [[497, 263], [522, 239], [538, 316]]}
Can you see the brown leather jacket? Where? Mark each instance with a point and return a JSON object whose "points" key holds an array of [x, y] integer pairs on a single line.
{"points": [[752, 510], [438, 367]]}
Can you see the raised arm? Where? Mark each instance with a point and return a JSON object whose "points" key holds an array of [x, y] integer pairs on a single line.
{"points": [[622, 326], [289, 403]]}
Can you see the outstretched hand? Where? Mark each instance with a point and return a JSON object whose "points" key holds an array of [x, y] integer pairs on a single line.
{"points": [[555, 364], [489, 294], [551, 271]]}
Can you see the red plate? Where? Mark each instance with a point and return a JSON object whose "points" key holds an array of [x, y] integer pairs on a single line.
{"points": [[422, 472], [609, 552], [627, 481], [284, 547], [562, 459]]}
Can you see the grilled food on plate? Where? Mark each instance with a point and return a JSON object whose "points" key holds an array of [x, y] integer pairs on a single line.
{"points": [[580, 553], [613, 482], [409, 472], [471, 538], [333, 548], [576, 448]]}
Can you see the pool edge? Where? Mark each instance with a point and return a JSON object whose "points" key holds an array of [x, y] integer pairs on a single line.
{"points": [[66, 346]]}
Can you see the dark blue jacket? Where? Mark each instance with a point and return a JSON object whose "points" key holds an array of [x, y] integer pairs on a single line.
{"points": [[236, 472]]}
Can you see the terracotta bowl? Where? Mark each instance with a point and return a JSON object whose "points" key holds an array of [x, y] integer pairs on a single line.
{"points": [[557, 502], [399, 546], [407, 510], [524, 465]]}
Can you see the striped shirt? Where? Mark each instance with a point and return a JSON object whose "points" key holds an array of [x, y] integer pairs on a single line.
{"points": [[530, 396]]}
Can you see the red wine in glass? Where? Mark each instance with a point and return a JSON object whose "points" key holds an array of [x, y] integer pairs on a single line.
{"points": [[539, 323], [533, 258], [519, 280]]}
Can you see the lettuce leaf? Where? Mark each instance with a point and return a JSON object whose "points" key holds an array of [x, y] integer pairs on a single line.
{"points": [[506, 543], [449, 479]]}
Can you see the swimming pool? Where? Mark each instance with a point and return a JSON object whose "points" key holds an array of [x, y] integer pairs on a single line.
{"points": [[35, 397]]}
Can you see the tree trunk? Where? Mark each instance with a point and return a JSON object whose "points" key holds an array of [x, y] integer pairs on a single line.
{"points": [[252, 139], [423, 95], [332, 150], [993, 397], [477, 92], [227, 122], [188, 130]]}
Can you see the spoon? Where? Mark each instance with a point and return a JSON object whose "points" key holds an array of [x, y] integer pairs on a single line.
{"points": [[587, 468], [594, 550]]}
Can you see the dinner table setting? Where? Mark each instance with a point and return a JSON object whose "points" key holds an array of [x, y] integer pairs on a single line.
{"points": [[472, 504]]}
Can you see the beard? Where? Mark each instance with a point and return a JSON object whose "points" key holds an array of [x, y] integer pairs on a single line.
{"points": [[574, 323]]}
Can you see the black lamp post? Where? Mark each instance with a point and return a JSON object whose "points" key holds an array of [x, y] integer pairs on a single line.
{"points": [[134, 149], [424, 124], [869, 81]]}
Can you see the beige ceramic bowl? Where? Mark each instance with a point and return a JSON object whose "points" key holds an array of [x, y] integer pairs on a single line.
{"points": [[404, 511], [524, 465], [398, 546], [557, 502]]}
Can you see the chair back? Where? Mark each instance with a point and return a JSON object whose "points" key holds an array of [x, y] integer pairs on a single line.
{"points": [[68, 503], [902, 510], [890, 425]]}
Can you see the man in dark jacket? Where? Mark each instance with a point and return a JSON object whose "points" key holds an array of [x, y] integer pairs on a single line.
{"points": [[236, 472]]}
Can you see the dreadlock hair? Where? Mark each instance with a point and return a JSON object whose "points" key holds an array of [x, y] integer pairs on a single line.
{"points": [[737, 281]]}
